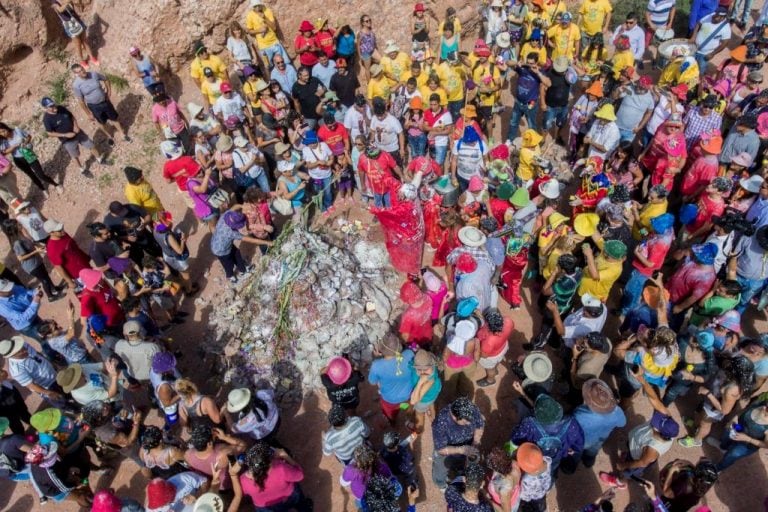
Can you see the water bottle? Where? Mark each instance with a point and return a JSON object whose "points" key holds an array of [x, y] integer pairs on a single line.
{"points": [[171, 414], [735, 429]]}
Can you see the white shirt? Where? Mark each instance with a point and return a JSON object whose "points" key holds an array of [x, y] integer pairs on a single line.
{"points": [[607, 135], [321, 152], [706, 30], [469, 159], [385, 133], [661, 113], [33, 224], [226, 107], [32, 369], [239, 49], [577, 325], [357, 123], [137, 356], [444, 120], [636, 37]]}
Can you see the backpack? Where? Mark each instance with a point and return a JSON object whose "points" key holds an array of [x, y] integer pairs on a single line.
{"points": [[552, 445], [242, 180]]}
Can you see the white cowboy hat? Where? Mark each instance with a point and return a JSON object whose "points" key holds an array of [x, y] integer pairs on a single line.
{"points": [[10, 347], [537, 366], [209, 502], [503, 40], [550, 189], [590, 301], [471, 236], [751, 184], [238, 399]]}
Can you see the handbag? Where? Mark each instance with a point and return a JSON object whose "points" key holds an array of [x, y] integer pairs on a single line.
{"points": [[218, 198], [282, 206], [72, 26]]}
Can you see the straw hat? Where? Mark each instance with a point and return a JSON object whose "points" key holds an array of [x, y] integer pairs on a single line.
{"points": [[376, 69], [11, 346], [69, 377], [598, 396], [503, 40], [537, 366], [238, 399], [281, 147], [585, 224], [391, 47], [471, 236], [224, 143]]}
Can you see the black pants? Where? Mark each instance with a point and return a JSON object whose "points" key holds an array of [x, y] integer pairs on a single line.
{"points": [[8, 275], [41, 274], [231, 261], [12, 406], [35, 172]]}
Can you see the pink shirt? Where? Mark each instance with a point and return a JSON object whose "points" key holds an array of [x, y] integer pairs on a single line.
{"points": [[169, 116], [707, 209], [699, 175], [278, 486], [690, 280], [655, 250]]}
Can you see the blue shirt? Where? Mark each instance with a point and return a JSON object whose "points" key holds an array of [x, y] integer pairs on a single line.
{"points": [[18, 308], [286, 79], [393, 378], [446, 432], [597, 427], [699, 10], [345, 45]]}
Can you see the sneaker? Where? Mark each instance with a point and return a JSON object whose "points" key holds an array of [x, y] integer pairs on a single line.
{"points": [[84, 171], [331, 209], [688, 422], [250, 268], [233, 279], [688, 442], [612, 480]]}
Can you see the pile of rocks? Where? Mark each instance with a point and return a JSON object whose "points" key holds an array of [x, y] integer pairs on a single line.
{"points": [[315, 297]]}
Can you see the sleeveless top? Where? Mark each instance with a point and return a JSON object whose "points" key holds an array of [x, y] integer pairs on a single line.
{"points": [[422, 36], [296, 200], [144, 66], [446, 48], [751, 427], [160, 461], [205, 465], [367, 43]]}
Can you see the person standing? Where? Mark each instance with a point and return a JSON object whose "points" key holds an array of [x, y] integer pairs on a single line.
{"points": [[598, 416], [143, 68], [391, 372], [93, 91], [636, 36], [456, 433], [260, 22], [61, 124], [17, 144], [76, 30], [555, 98], [170, 121], [530, 83], [227, 231]]}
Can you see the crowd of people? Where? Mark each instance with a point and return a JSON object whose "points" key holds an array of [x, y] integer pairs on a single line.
{"points": [[609, 195]]}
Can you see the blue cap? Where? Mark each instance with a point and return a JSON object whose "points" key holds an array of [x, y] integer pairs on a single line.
{"points": [[704, 253], [98, 323], [566, 16], [663, 222], [467, 306], [706, 340], [688, 213], [47, 102], [310, 137]]}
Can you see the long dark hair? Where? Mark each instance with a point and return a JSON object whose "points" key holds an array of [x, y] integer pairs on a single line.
{"points": [[258, 459], [11, 228], [5, 127]]}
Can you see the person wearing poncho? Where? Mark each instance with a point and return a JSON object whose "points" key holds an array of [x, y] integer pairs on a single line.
{"points": [[531, 148], [666, 154], [594, 186], [403, 226]]}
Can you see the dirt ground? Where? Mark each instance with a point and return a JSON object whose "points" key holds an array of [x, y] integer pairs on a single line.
{"points": [[740, 489]]}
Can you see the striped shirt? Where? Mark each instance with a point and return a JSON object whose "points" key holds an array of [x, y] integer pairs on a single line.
{"points": [[659, 11], [342, 442]]}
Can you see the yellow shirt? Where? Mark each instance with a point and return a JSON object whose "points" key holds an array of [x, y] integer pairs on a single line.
{"points": [[648, 212], [525, 164], [421, 80], [609, 272], [380, 87], [249, 90], [551, 9], [143, 195], [397, 67], [426, 92], [621, 60], [671, 74], [211, 90], [480, 74], [565, 40], [214, 62], [593, 15], [456, 27], [452, 80], [255, 24], [529, 48]]}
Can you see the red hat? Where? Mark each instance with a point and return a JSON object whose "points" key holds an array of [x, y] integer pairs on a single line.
{"points": [[680, 90], [106, 501], [225, 87], [483, 52], [306, 26], [341, 62], [419, 7], [160, 493], [500, 152], [645, 81], [410, 293], [466, 264]]}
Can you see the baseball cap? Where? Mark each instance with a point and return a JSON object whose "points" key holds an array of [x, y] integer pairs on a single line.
{"points": [[47, 102]]}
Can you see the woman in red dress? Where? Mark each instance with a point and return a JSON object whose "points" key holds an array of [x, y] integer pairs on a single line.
{"points": [[430, 204], [665, 156], [416, 321], [450, 222]]}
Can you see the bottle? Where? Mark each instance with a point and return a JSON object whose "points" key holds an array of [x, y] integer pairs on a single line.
{"points": [[735, 429]]}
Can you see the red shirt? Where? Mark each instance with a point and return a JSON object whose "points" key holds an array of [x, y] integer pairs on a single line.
{"points": [[492, 344], [278, 486], [335, 139], [699, 175], [655, 250], [498, 208], [180, 170], [66, 254], [307, 58], [427, 166], [324, 39], [690, 280], [378, 172], [102, 302], [707, 208]]}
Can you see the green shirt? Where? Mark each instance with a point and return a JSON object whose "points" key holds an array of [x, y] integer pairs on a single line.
{"points": [[713, 307], [563, 289]]}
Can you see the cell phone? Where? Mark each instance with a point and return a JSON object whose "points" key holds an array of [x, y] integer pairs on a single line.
{"points": [[638, 480]]}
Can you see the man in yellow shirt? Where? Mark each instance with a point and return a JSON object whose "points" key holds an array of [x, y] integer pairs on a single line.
{"points": [[261, 24], [594, 18], [395, 63], [602, 271], [380, 85], [203, 60], [487, 79], [415, 72], [451, 74], [433, 87], [210, 87], [138, 191], [564, 38]]}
